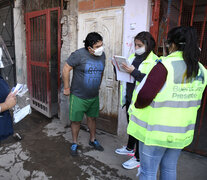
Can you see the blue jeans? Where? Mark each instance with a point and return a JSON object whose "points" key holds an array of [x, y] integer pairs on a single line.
{"points": [[151, 157]]}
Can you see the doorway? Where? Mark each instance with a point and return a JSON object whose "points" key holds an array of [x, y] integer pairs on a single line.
{"points": [[108, 23], [43, 59]]}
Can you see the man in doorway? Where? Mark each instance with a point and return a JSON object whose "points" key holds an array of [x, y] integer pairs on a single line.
{"points": [[88, 65]]}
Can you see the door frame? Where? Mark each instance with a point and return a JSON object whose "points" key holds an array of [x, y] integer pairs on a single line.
{"points": [[28, 16]]}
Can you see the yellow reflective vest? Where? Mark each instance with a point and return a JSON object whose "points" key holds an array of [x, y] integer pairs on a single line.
{"points": [[169, 120], [145, 67]]}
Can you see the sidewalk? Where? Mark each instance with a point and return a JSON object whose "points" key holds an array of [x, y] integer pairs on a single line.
{"points": [[44, 154]]}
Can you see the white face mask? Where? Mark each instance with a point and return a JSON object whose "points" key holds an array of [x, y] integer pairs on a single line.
{"points": [[140, 51], [99, 51]]}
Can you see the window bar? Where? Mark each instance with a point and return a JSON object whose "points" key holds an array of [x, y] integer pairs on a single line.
{"points": [[168, 17], [35, 39], [193, 11], [155, 19], [38, 40], [180, 13], [203, 28]]}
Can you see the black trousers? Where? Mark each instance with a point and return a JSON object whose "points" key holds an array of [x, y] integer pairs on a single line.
{"points": [[132, 142]]}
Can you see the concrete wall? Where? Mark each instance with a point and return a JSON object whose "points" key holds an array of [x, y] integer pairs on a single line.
{"points": [[136, 19], [87, 5], [69, 39], [20, 42]]}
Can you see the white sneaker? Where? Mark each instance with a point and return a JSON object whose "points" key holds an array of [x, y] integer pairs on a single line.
{"points": [[124, 151], [131, 163]]}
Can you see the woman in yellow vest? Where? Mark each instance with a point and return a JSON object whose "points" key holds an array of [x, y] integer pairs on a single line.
{"points": [[164, 115], [141, 63]]}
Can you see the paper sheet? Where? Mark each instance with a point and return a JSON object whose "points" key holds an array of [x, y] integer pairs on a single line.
{"points": [[122, 76], [21, 89], [19, 115], [118, 61]]}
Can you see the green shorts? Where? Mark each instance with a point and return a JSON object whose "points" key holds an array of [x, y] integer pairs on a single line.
{"points": [[79, 106]]}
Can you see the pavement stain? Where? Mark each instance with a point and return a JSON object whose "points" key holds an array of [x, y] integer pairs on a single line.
{"points": [[48, 157]]}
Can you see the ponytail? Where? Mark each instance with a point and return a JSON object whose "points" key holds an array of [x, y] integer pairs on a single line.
{"points": [[191, 53], [185, 39]]}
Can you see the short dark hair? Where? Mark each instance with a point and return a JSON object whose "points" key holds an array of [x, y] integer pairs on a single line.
{"points": [[91, 39], [147, 39]]}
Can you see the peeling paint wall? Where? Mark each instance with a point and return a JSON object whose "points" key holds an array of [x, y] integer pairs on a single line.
{"points": [[20, 42], [69, 44], [37, 5]]}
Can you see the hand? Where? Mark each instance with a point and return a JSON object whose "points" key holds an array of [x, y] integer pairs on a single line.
{"points": [[112, 62], [127, 68], [66, 91], [11, 100]]}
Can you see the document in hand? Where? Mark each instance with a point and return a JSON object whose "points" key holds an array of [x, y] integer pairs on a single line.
{"points": [[119, 60], [22, 108], [122, 75]]}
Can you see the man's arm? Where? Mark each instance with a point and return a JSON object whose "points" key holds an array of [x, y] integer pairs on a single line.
{"points": [[66, 78]]}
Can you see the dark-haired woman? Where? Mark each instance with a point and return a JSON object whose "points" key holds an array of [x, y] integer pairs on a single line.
{"points": [[164, 116], [141, 62]]}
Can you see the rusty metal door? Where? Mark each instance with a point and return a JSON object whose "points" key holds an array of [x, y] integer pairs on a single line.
{"points": [[109, 24], [7, 33], [43, 59], [167, 14]]}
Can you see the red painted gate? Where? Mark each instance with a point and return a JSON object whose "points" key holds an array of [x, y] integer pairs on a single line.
{"points": [[167, 14], [43, 59]]}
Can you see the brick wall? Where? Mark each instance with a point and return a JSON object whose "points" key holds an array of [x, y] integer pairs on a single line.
{"points": [[86, 5]]}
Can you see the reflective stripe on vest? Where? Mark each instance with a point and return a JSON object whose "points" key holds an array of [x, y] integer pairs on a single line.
{"points": [[176, 104], [162, 128]]}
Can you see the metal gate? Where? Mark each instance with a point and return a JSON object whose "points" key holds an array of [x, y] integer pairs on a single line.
{"points": [[167, 14], [43, 59], [7, 33]]}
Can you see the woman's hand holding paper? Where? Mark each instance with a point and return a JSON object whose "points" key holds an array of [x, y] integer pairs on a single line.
{"points": [[127, 68]]}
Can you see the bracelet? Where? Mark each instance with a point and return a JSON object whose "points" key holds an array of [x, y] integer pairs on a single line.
{"points": [[66, 88]]}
